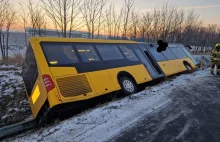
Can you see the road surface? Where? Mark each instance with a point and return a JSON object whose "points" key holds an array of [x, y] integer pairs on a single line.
{"points": [[193, 116]]}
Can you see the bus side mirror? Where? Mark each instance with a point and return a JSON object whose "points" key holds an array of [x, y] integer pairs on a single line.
{"points": [[162, 46], [188, 46]]}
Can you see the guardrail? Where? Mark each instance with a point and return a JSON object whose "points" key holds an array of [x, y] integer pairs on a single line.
{"points": [[16, 128], [196, 53]]}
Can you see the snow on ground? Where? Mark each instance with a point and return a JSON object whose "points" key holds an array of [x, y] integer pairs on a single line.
{"points": [[14, 106], [9, 80], [17, 43], [204, 58], [104, 122]]}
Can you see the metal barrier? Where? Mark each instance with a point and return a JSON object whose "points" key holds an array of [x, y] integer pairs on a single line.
{"points": [[16, 128]]}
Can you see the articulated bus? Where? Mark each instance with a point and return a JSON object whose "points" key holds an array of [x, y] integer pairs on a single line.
{"points": [[59, 71]]}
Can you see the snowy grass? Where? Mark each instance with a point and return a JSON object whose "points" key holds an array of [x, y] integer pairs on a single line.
{"points": [[104, 122], [14, 106], [10, 80]]}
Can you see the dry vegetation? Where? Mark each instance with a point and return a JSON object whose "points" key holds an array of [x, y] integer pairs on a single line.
{"points": [[16, 60]]}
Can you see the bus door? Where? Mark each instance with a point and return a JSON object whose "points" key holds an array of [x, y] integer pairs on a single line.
{"points": [[149, 63]]}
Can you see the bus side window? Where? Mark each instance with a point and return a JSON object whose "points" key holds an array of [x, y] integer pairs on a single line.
{"points": [[178, 52], [109, 52], [129, 54], [87, 52], [157, 56], [59, 53], [168, 54], [29, 71]]}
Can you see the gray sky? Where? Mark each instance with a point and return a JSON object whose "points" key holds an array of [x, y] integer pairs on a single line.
{"points": [[209, 10]]}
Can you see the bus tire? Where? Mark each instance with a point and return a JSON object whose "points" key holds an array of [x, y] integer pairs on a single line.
{"points": [[43, 115], [189, 69], [128, 86]]}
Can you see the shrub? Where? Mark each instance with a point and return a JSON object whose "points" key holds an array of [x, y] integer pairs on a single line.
{"points": [[16, 60]]}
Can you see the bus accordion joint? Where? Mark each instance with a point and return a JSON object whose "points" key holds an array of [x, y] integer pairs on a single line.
{"points": [[48, 83]]}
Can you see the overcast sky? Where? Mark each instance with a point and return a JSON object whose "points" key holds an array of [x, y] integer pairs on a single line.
{"points": [[209, 10]]}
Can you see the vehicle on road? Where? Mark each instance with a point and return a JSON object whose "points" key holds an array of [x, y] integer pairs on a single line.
{"points": [[58, 71]]}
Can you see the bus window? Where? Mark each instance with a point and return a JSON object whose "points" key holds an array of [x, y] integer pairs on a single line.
{"points": [[168, 54], [129, 54], [29, 70], [158, 56], [178, 52], [59, 54], [143, 48], [87, 53], [109, 52]]}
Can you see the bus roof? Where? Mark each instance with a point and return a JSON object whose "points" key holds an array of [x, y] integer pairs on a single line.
{"points": [[56, 39]]}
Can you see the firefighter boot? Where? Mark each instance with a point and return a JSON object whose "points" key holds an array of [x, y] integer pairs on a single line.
{"points": [[212, 69], [218, 70]]}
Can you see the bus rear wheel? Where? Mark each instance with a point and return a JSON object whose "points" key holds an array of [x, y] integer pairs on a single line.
{"points": [[42, 117], [128, 85]]}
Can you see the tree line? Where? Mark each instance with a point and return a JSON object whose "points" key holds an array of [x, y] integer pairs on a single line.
{"points": [[101, 17]]}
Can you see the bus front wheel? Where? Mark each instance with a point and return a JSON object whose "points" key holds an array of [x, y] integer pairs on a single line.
{"points": [[128, 85]]}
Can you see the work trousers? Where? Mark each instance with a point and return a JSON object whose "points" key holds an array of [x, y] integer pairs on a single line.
{"points": [[213, 67]]}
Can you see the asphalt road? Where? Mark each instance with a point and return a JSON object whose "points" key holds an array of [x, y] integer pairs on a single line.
{"points": [[193, 116]]}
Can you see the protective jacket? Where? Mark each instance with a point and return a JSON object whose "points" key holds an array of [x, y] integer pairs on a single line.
{"points": [[215, 58], [216, 54]]}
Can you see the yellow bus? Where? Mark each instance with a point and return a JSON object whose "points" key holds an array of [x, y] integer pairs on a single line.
{"points": [[59, 71], [174, 60]]}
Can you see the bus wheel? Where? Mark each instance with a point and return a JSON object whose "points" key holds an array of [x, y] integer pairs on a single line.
{"points": [[189, 68], [43, 116], [128, 85]]}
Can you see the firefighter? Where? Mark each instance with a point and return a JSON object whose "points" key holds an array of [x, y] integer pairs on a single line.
{"points": [[215, 59]]}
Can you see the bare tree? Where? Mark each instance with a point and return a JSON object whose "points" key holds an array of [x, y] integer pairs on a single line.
{"points": [[64, 15], [109, 20], [92, 12], [156, 25], [11, 15], [7, 18], [37, 18], [117, 23], [101, 20], [23, 20], [32, 17], [145, 27], [127, 10], [134, 24], [4, 4], [176, 26]]}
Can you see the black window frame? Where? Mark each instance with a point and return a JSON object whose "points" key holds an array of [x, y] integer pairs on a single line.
{"points": [[79, 56], [155, 47], [180, 49], [83, 67], [149, 51], [168, 59], [131, 48], [117, 46], [29, 84], [46, 57]]}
